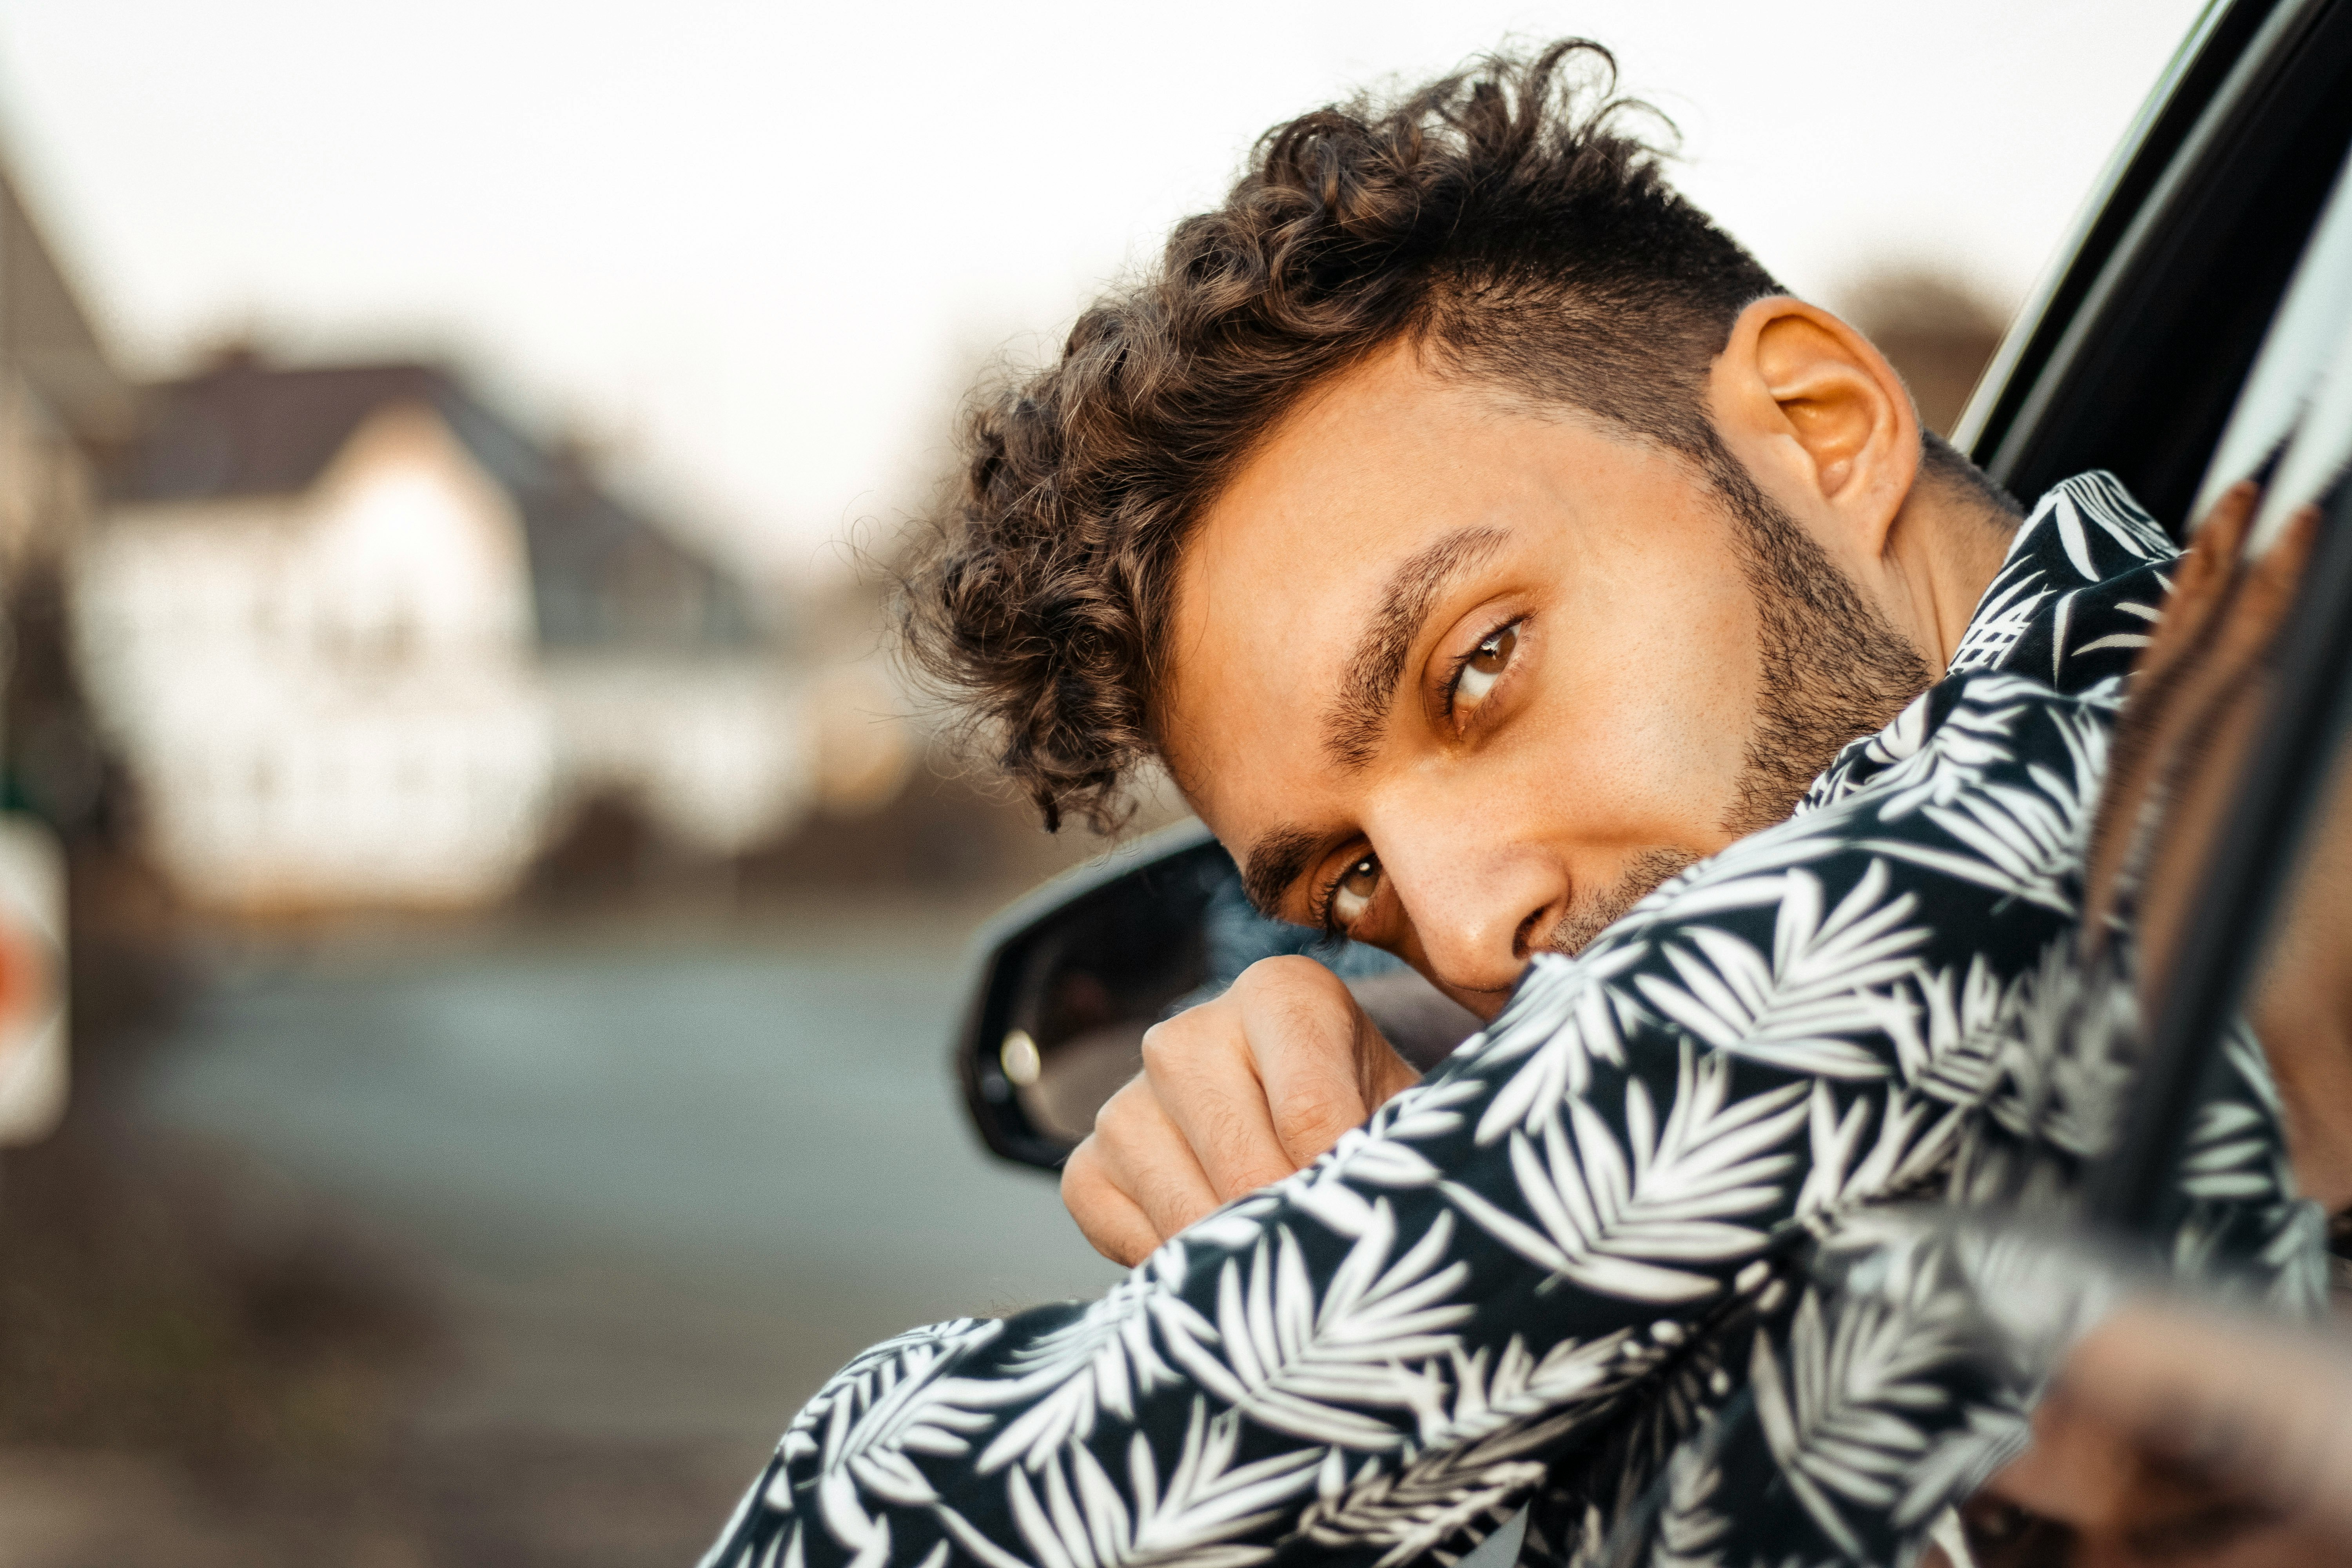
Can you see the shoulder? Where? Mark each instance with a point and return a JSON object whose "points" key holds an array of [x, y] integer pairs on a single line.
{"points": [[2086, 575], [2083, 531], [2076, 597]]}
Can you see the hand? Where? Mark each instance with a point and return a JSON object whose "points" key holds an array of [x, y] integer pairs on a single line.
{"points": [[1233, 1094]]}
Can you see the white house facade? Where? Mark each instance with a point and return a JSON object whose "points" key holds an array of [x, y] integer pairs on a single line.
{"points": [[336, 688], [329, 697]]}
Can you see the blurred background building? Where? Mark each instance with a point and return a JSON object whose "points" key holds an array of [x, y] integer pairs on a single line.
{"points": [[348, 662], [361, 641], [64, 410]]}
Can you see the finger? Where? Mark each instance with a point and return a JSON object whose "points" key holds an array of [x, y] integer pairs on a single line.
{"points": [[2266, 588], [1147, 1158], [2237, 641], [2201, 581], [1309, 1040], [1112, 1223], [2256, 1404], [1205, 1078], [2274, 578], [1380, 1067]]}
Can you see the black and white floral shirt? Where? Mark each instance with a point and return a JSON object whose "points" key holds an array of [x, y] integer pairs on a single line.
{"points": [[1604, 1260]]}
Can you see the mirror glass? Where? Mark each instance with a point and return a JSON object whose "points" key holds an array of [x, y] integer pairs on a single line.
{"points": [[1069, 979]]}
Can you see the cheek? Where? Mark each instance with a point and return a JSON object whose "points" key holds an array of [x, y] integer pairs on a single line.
{"points": [[1640, 730]]}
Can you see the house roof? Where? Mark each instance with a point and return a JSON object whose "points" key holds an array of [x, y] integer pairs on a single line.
{"points": [[46, 335], [245, 428], [602, 573]]}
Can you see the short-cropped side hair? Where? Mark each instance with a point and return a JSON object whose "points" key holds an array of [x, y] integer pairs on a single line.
{"points": [[1509, 219]]}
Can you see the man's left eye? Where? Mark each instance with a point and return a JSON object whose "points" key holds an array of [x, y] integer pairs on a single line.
{"points": [[1353, 894], [1485, 667]]}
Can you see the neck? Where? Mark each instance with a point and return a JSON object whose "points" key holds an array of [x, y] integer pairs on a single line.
{"points": [[1942, 552]]}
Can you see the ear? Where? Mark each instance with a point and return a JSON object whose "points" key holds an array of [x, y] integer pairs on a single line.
{"points": [[1820, 419]]}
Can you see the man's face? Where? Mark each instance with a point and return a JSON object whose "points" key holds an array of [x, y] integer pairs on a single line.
{"points": [[1464, 680]]}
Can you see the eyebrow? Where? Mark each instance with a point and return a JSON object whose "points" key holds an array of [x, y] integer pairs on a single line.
{"points": [[1351, 728], [1274, 862]]}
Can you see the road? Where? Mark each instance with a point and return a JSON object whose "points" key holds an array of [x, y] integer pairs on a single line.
{"points": [[667, 1178]]}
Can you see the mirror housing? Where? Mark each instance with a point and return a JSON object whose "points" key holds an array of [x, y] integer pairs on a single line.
{"points": [[1067, 980]]}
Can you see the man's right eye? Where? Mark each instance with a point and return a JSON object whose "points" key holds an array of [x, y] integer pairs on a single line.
{"points": [[1351, 895]]}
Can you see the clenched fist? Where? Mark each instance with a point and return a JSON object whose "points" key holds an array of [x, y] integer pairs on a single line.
{"points": [[1233, 1094]]}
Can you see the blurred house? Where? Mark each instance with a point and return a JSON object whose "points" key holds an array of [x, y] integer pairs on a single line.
{"points": [[64, 412], [62, 405], [360, 640]]}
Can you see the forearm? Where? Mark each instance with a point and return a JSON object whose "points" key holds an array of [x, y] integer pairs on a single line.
{"points": [[1423, 1303]]}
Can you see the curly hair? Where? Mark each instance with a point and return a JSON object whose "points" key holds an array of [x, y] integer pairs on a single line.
{"points": [[1508, 218]]}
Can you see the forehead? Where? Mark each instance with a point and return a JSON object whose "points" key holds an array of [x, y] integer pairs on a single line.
{"points": [[1363, 452], [1290, 563], [1294, 552]]}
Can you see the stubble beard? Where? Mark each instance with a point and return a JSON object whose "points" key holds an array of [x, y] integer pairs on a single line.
{"points": [[1832, 670], [1591, 912]]}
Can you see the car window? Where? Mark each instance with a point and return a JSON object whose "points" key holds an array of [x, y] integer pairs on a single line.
{"points": [[2264, 753], [2307, 334], [2143, 373], [2217, 39]]}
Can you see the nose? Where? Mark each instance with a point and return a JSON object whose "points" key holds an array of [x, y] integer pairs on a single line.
{"points": [[1479, 900]]}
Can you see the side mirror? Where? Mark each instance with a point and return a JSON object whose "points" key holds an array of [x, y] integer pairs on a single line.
{"points": [[1068, 979]]}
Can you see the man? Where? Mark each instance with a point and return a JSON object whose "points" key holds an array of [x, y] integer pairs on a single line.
{"points": [[1495, 557]]}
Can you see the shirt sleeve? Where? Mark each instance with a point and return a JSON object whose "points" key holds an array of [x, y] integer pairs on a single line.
{"points": [[1531, 1253]]}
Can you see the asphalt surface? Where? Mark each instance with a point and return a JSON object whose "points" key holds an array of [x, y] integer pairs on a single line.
{"points": [[666, 1178]]}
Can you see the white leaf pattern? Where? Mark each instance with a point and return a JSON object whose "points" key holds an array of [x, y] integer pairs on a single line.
{"points": [[1100, 1364], [1474, 1453], [1306, 1366], [1804, 1007], [1612, 1218], [1841, 1419], [1083, 1520]]}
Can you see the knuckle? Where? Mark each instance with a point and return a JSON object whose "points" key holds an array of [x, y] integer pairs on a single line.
{"points": [[1314, 1115], [1164, 1042], [1080, 1172], [1303, 997], [1171, 1039], [1195, 1040], [1287, 976], [1120, 1115]]}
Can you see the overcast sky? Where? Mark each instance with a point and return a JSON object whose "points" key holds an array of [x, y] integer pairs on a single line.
{"points": [[751, 244]]}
